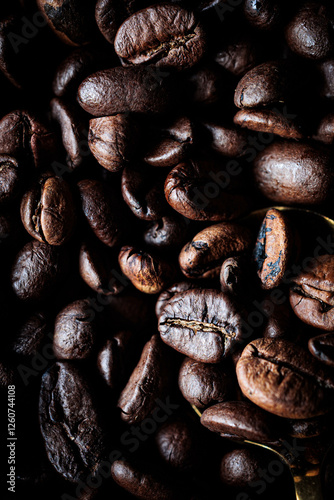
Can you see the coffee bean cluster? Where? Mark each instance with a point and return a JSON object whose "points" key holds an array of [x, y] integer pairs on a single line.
{"points": [[166, 246]]}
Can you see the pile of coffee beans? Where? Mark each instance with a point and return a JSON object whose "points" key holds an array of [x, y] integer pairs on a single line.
{"points": [[166, 247]]}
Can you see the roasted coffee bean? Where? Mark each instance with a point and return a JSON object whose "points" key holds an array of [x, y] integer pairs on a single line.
{"points": [[148, 273], [264, 85], [26, 137], [72, 131], [240, 420], [325, 130], [227, 141], [202, 324], [143, 192], [309, 428], [164, 34], [310, 32], [167, 233], [110, 14], [326, 70], [203, 256], [31, 335], [279, 319], [268, 121], [37, 269], [111, 140], [239, 55], [241, 468], [173, 148], [48, 211], [101, 211], [273, 248], [281, 168], [203, 384], [112, 359], [71, 20], [144, 484], [166, 295], [73, 70], [206, 85], [284, 379], [98, 269], [322, 347], [10, 178], [207, 191], [148, 381], [264, 15], [121, 90], [75, 331], [236, 277], [178, 444], [312, 293], [69, 423]]}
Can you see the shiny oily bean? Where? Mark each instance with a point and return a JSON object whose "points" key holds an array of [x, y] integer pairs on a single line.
{"points": [[148, 273], [322, 347], [240, 420], [283, 167], [31, 335], [239, 55], [97, 268], [264, 85], [310, 32], [241, 468], [203, 324], [164, 34], [111, 139], [72, 131], [122, 90], [112, 359], [75, 331], [312, 293], [284, 379], [325, 130], [148, 381], [237, 277], [268, 121], [203, 256], [263, 15], [110, 14], [227, 141], [48, 211], [142, 482], [169, 232], [101, 211], [202, 384]]}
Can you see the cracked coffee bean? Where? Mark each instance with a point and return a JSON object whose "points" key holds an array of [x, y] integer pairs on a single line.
{"points": [[322, 347], [164, 34], [69, 423], [203, 324], [148, 273], [48, 211], [312, 293], [284, 379]]}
